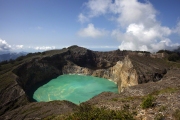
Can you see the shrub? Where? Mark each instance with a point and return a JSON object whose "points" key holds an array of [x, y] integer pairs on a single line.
{"points": [[165, 51], [174, 57], [3, 62], [162, 108], [43, 53], [147, 102], [88, 112], [114, 99], [11, 61], [159, 117], [20, 58]]}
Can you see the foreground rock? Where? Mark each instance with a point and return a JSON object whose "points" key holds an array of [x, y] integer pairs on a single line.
{"points": [[35, 111]]}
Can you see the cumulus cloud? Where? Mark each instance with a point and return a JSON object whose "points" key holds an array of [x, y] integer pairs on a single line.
{"points": [[125, 12], [138, 37], [137, 26], [177, 30], [91, 31], [97, 7], [132, 11], [4, 46]]}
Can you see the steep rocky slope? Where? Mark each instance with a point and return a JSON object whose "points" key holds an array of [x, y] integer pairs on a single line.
{"points": [[20, 79], [34, 111], [166, 94]]}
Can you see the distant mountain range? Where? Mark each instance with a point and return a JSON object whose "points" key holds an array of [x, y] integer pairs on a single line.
{"points": [[8, 56]]}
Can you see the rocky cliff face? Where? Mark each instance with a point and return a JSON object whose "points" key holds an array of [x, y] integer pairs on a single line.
{"points": [[125, 74], [122, 73], [166, 94], [125, 70]]}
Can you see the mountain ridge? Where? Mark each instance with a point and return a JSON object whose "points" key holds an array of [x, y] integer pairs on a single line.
{"points": [[33, 70]]}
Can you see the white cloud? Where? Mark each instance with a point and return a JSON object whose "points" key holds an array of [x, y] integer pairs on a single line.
{"points": [[142, 30], [4, 46], [97, 7], [177, 29], [82, 18], [132, 11], [91, 31], [44, 47], [128, 11], [147, 35], [127, 46], [110, 47], [137, 37], [18, 46]]}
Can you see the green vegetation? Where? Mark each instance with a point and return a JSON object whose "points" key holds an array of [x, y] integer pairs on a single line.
{"points": [[159, 117], [166, 90], [128, 99], [165, 51], [114, 99], [147, 102], [54, 117], [176, 114], [88, 112], [162, 108], [174, 57]]}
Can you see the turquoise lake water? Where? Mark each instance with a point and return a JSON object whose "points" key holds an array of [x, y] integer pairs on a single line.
{"points": [[74, 88]]}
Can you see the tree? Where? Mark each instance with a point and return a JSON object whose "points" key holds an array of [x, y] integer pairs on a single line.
{"points": [[174, 57]]}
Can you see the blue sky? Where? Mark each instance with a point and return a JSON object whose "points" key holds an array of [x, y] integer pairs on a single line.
{"points": [[38, 25]]}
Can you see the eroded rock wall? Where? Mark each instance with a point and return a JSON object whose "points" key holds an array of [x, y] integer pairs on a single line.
{"points": [[122, 73], [126, 72]]}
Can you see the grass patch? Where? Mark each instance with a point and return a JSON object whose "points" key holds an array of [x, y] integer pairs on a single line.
{"points": [[166, 90], [159, 117], [6, 80], [162, 108], [176, 114], [88, 112], [147, 102], [129, 99], [114, 99]]}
